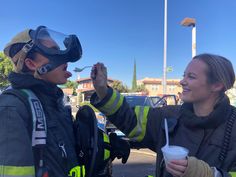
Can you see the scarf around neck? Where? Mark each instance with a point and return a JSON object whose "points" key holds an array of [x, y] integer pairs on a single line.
{"points": [[219, 115]]}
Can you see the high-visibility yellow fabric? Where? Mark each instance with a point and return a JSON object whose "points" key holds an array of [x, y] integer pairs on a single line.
{"points": [[233, 174], [106, 151], [133, 132], [106, 154], [106, 138], [113, 104], [78, 171], [17, 171], [139, 130]]}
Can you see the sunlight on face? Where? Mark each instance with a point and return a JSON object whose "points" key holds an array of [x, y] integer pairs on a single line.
{"points": [[59, 75], [194, 84]]}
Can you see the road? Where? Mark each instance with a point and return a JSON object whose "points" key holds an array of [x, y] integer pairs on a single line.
{"points": [[140, 163]]}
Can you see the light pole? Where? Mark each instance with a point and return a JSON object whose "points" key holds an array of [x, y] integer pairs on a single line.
{"points": [[191, 22], [165, 48]]}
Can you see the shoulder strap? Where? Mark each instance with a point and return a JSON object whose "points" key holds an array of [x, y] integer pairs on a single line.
{"points": [[19, 94], [32, 103], [23, 98], [227, 136], [39, 131], [38, 124]]}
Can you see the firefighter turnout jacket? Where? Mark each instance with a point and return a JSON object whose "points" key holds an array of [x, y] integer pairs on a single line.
{"points": [[211, 138], [17, 157]]}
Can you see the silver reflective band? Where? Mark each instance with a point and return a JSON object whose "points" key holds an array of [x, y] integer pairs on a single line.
{"points": [[39, 133]]}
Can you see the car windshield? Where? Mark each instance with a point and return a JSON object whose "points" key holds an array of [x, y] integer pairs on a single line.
{"points": [[137, 101], [154, 99]]}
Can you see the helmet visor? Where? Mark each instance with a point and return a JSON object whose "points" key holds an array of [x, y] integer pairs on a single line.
{"points": [[55, 43]]}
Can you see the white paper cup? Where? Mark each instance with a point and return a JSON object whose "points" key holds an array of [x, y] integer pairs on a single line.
{"points": [[174, 153]]}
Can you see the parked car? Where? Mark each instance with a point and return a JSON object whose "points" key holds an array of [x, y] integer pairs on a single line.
{"points": [[132, 101], [165, 100], [153, 101], [139, 101]]}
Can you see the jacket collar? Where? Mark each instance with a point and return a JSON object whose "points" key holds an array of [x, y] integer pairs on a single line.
{"points": [[27, 81], [214, 119]]}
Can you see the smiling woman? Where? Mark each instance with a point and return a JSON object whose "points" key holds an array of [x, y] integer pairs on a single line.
{"points": [[203, 124], [206, 78]]}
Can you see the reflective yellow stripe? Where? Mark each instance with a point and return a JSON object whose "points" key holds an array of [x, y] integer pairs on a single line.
{"points": [[109, 104], [83, 170], [106, 154], [77, 171], [113, 104], [233, 174], [133, 132], [106, 138], [139, 131], [144, 124], [27, 171], [106, 151]]}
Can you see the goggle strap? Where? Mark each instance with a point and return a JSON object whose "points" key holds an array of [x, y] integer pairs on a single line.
{"points": [[44, 69], [19, 58], [28, 46]]}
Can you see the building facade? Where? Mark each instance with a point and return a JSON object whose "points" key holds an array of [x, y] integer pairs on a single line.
{"points": [[155, 88], [85, 88]]}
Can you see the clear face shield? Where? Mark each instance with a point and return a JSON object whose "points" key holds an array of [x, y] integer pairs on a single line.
{"points": [[57, 47]]}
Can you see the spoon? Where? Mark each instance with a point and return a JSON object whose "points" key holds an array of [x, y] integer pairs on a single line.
{"points": [[167, 134], [81, 69]]}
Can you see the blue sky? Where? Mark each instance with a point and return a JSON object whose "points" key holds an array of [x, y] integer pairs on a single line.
{"points": [[117, 32]]}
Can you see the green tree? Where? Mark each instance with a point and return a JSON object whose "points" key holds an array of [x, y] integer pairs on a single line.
{"points": [[70, 84], [118, 85], [141, 88], [73, 85], [134, 82], [6, 67]]}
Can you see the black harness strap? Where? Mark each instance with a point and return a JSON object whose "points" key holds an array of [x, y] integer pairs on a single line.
{"points": [[37, 130], [23, 97]]}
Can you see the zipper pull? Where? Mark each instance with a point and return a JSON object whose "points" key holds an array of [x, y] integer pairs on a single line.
{"points": [[62, 147], [81, 153]]}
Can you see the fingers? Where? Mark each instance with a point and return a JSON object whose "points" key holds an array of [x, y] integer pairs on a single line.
{"points": [[93, 73], [174, 171], [99, 77], [177, 167], [98, 69], [126, 157]]}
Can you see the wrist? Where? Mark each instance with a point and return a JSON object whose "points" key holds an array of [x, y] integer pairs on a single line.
{"points": [[102, 92]]}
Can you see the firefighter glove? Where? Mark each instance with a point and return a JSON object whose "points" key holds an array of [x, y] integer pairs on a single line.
{"points": [[120, 148]]}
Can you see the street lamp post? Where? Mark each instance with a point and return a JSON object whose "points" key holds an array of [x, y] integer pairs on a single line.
{"points": [[165, 48], [191, 22]]}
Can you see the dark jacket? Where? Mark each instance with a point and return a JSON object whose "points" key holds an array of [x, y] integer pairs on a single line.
{"points": [[16, 151], [203, 136]]}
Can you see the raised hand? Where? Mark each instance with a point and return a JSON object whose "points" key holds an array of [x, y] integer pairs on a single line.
{"points": [[99, 77]]}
